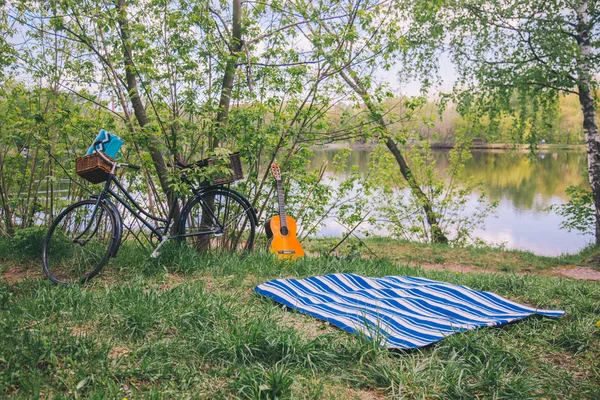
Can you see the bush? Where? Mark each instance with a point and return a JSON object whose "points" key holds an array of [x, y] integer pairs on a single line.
{"points": [[27, 243], [5, 247]]}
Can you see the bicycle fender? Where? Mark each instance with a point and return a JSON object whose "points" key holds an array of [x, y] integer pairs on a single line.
{"points": [[183, 213], [245, 201], [119, 226], [201, 193]]}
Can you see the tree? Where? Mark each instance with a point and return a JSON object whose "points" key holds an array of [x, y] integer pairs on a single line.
{"points": [[366, 38], [530, 50]]}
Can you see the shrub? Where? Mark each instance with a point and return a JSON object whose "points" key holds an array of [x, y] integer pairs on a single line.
{"points": [[27, 243]]}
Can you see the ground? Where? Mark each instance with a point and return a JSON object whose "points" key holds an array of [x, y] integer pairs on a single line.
{"points": [[187, 325]]}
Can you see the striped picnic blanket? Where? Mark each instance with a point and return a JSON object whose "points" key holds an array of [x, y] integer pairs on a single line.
{"points": [[397, 311]]}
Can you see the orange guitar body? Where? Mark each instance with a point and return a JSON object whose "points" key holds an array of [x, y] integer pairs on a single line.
{"points": [[284, 245], [281, 229]]}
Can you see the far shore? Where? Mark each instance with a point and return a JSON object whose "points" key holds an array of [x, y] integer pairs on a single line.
{"points": [[510, 146], [474, 146]]}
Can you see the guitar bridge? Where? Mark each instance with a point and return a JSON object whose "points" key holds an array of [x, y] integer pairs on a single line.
{"points": [[286, 252]]}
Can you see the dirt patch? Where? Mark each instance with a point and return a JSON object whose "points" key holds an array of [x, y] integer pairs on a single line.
{"points": [[333, 390], [172, 281], [118, 351], [364, 394], [211, 284], [13, 275], [251, 281], [212, 387], [581, 273], [567, 363], [454, 268], [344, 392], [82, 330]]}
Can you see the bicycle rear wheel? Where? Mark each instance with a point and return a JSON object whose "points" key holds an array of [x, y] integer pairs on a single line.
{"points": [[79, 242], [218, 221]]}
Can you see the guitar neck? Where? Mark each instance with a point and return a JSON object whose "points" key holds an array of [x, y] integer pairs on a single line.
{"points": [[281, 203]]}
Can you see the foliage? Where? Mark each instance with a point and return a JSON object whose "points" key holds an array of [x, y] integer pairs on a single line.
{"points": [[179, 55], [578, 212], [514, 57], [27, 243], [182, 180], [255, 383], [452, 195], [41, 132]]}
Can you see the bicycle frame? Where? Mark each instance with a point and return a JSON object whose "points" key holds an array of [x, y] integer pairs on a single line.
{"points": [[139, 213]]}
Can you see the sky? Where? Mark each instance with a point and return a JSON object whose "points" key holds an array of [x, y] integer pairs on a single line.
{"points": [[446, 72]]}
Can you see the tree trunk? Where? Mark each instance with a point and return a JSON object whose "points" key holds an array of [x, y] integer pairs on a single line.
{"points": [[590, 129], [586, 99], [235, 47], [138, 107], [437, 235], [4, 200]]}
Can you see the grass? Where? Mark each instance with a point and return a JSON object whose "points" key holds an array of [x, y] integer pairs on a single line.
{"points": [[481, 258], [188, 325]]}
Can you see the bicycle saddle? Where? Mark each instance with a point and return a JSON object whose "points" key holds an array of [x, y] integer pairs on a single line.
{"points": [[181, 164], [198, 164]]}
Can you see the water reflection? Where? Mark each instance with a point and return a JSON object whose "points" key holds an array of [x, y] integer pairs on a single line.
{"points": [[524, 188], [528, 184]]}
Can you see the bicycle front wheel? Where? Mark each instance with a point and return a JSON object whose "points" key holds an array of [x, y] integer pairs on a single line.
{"points": [[79, 242], [218, 221]]}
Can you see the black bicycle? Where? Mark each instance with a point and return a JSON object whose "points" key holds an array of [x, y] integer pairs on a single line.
{"points": [[86, 234]]}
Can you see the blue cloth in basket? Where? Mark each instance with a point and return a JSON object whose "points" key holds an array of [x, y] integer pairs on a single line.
{"points": [[110, 144], [397, 311]]}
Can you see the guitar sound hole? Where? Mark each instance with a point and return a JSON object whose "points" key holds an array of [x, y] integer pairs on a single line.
{"points": [[284, 230]]}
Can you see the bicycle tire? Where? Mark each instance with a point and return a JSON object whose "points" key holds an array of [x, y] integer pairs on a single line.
{"points": [[229, 208], [63, 256]]}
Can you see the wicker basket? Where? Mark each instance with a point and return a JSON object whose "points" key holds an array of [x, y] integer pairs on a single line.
{"points": [[235, 165], [93, 168]]}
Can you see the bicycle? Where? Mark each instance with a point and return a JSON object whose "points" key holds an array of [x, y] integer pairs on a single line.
{"points": [[85, 235]]}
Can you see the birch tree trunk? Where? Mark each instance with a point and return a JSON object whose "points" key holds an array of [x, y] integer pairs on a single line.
{"points": [[588, 107]]}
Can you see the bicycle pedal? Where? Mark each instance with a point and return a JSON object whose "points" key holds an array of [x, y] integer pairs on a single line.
{"points": [[155, 253]]}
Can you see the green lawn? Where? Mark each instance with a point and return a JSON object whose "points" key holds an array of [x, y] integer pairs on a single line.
{"points": [[187, 325]]}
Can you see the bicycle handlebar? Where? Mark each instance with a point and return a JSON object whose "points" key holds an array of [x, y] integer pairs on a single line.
{"points": [[136, 167]]}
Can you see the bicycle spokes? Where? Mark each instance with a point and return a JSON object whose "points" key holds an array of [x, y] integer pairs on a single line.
{"points": [[78, 242], [219, 222]]}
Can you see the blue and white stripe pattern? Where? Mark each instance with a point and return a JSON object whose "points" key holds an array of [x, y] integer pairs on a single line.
{"points": [[397, 311]]}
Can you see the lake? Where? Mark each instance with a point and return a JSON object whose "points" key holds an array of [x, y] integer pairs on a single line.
{"points": [[523, 189]]}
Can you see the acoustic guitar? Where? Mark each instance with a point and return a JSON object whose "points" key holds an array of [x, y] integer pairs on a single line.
{"points": [[281, 229]]}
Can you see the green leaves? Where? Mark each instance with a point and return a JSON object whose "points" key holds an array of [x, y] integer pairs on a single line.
{"points": [[579, 211]]}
